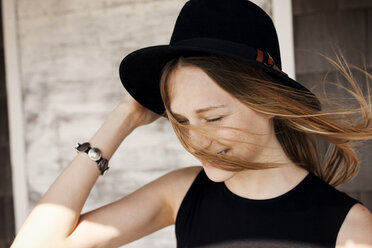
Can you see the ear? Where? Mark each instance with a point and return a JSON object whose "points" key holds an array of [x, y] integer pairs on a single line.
{"points": [[271, 119]]}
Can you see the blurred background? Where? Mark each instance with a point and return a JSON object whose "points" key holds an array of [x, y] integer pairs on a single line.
{"points": [[59, 79]]}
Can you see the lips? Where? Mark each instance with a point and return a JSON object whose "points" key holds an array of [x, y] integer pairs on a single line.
{"points": [[223, 152]]}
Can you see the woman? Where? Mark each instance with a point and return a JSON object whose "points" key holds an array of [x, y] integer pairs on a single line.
{"points": [[255, 130]]}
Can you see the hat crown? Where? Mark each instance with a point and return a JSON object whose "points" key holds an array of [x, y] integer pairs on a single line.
{"points": [[239, 21]]}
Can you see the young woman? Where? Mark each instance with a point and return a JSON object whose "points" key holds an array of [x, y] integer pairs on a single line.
{"points": [[262, 183]]}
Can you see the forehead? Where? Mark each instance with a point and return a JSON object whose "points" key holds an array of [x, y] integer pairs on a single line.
{"points": [[191, 88]]}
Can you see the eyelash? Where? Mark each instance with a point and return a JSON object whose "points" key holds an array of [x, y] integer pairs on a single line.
{"points": [[211, 120]]}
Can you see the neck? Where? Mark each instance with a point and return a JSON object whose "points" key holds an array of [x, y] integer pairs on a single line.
{"points": [[267, 183]]}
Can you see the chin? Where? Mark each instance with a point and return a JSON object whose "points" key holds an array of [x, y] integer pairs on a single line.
{"points": [[217, 175]]}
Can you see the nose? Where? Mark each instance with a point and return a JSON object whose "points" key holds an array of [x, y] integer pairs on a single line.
{"points": [[199, 140]]}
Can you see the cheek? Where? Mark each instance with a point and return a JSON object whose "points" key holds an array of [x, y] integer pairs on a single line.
{"points": [[248, 142], [228, 134], [237, 137]]}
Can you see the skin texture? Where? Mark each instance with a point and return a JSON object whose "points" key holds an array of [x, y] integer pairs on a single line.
{"points": [[190, 82]]}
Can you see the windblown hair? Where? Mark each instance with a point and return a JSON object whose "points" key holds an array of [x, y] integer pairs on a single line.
{"points": [[300, 122]]}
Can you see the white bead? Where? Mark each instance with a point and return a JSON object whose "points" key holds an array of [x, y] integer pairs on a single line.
{"points": [[94, 154]]}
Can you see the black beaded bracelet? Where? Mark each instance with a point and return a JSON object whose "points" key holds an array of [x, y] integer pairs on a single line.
{"points": [[94, 154]]}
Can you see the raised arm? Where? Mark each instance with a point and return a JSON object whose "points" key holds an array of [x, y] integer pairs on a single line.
{"points": [[57, 214]]}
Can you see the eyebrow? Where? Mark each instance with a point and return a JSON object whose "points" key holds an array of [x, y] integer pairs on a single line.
{"points": [[203, 110]]}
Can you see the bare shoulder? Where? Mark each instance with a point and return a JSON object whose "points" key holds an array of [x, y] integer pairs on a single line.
{"points": [[356, 230], [178, 182]]}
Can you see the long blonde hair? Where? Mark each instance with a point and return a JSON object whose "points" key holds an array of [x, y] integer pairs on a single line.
{"points": [[300, 122]]}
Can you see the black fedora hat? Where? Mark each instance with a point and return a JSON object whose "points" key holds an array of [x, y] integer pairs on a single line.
{"points": [[235, 28]]}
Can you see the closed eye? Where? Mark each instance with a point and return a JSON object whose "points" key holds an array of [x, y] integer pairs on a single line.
{"points": [[215, 119], [210, 120]]}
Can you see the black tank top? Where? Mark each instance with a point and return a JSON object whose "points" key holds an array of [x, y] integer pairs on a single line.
{"points": [[309, 215]]}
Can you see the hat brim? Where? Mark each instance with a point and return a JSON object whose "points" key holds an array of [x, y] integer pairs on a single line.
{"points": [[140, 71]]}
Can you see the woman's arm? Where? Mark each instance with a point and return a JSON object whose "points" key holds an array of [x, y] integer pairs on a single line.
{"points": [[57, 213]]}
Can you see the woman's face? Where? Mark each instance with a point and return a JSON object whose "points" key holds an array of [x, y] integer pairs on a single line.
{"points": [[192, 90]]}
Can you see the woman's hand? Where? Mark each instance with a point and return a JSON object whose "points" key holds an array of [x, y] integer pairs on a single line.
{"points": [[145, 115]]}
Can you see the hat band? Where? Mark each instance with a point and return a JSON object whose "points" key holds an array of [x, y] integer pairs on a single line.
{"points": [[215, 45], [266, 59]]}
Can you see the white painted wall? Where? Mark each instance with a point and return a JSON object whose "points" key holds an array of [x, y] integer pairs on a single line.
{"points": [[15, 113], [283, 21]]}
